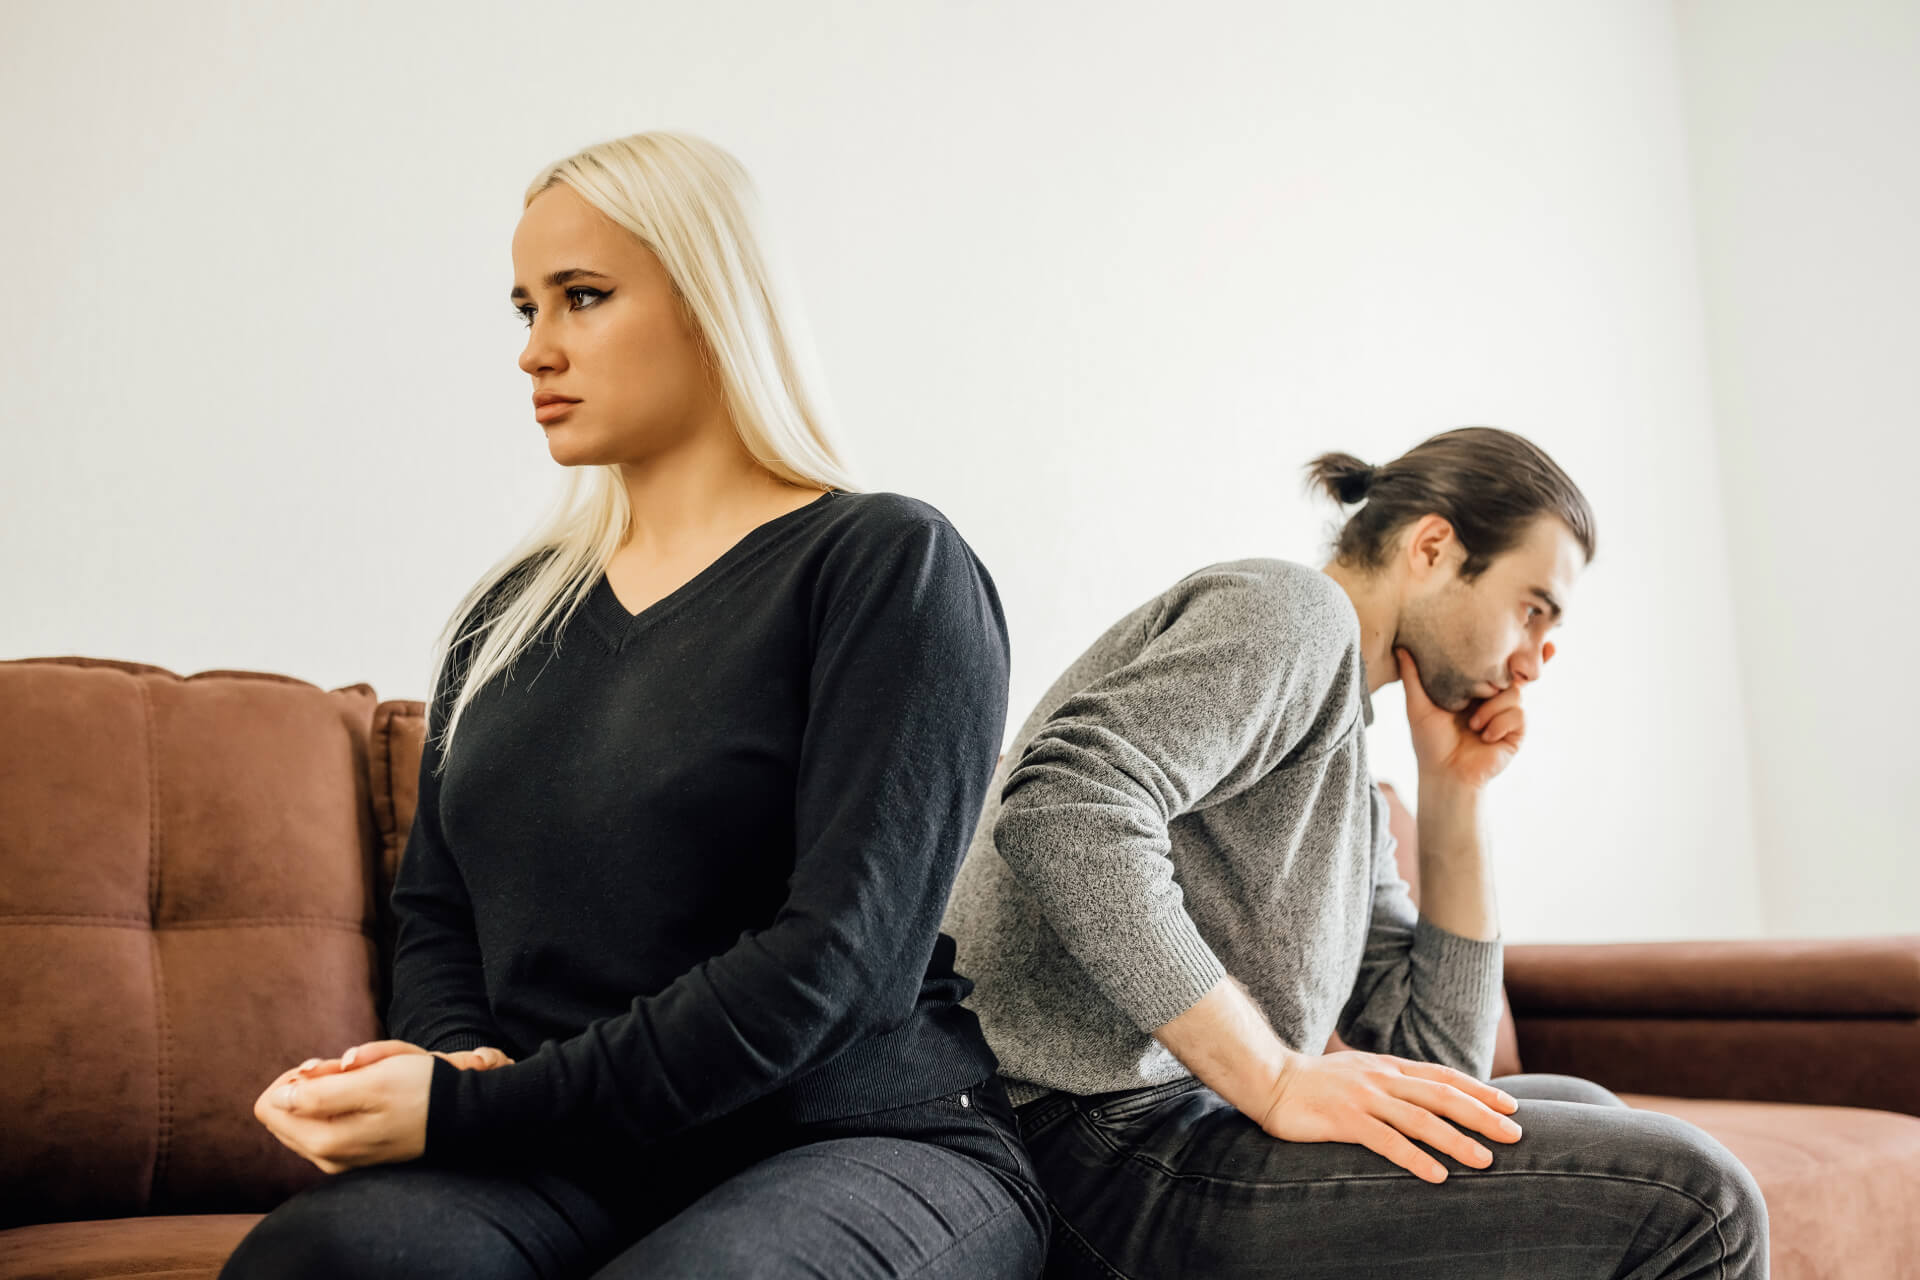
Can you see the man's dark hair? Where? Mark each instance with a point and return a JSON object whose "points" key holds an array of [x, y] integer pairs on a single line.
{"points": [[1489, 484]]}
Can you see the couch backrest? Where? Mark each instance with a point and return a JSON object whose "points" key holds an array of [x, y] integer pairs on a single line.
{"points": [[398, 738], [187, 871]]}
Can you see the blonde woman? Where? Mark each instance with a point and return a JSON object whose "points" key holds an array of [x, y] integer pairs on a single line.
{"points": [[669, 991]]}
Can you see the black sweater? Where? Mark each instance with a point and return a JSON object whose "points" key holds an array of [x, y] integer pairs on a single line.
{"points": [[696, 858]]}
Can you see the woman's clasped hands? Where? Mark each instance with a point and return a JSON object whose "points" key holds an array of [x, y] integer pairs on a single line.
{"points": [[368, 1106]]}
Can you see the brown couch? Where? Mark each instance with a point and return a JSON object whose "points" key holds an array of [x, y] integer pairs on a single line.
{"points": [[192, 890]]}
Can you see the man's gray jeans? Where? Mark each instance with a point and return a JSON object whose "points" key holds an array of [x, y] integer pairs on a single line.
{"points": [[1171, 1181]]}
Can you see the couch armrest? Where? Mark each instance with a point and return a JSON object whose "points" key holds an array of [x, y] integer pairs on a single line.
{"points": [[1834, 1022]]}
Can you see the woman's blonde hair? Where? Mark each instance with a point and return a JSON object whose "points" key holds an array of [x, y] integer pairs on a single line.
{"points": [[693, 205]]}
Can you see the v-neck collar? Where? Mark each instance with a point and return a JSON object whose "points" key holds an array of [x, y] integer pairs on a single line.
{"points": [[619, 626]]}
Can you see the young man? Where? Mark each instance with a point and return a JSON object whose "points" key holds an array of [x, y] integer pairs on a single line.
{"points": [[1183, 881]]}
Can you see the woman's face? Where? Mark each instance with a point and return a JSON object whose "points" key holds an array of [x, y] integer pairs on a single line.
{"points": [[606, 329]]}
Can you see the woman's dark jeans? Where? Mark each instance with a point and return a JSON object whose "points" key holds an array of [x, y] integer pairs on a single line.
{"points": [[936, 1189], [1172, 1181]]}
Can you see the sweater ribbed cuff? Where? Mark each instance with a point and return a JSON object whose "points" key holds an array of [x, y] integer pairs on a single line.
{"points": [[454, 1042], [1457, 973], [478, 1116], [1172, 970]]}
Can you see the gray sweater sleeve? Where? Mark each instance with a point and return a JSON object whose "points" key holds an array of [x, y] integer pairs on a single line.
{"points": [[1423, 992], [1232, 676]]}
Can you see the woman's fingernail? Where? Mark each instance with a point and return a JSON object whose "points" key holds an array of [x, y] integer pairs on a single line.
{"points": [[346, 1059], [286, 1097], [1509, 1099], [309, 1064]]}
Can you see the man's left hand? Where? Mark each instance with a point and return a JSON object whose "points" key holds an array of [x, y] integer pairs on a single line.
{"points": [[1470, 746]]}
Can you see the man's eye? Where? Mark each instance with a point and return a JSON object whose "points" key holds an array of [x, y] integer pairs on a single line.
{"points": [[526, 312]]}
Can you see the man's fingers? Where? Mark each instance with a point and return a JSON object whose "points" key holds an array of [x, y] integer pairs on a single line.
{"points": [[1462, 1108], [1507, 698], [1508, 721], [1498, 1099], [1418, 1122], [1383, 1139]]}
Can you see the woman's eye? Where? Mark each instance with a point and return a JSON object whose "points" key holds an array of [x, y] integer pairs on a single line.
{"points": [[526, 313]]}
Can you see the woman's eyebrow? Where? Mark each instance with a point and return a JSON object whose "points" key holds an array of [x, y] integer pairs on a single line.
{"points": [[557, 279]]}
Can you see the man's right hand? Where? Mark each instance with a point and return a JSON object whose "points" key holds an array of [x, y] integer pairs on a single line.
{"points": [[1384, 1103]]}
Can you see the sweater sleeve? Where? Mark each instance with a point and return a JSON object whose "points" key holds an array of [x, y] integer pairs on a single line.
{"points": [[1423, 992], [907, 703], [439, 997], [1233, 677]]}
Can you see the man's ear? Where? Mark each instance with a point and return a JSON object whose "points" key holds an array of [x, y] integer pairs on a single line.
{"points": [[1432, 547]]}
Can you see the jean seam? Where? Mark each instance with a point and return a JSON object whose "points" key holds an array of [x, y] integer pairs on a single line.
{"points": [[1718, 1218], [1008, 1146], [1042, 1122], [1212, 1180], [1086, 1246], [1144, 1102], [975, 1229]]}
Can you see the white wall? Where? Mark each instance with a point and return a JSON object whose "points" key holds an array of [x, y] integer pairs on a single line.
{"points": [[1096, 280], [1806, 163]]}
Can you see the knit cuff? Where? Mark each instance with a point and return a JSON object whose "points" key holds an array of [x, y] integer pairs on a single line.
{"points": [[1172, 970], [456, 1041], [1457, 973], [482, 1116]]}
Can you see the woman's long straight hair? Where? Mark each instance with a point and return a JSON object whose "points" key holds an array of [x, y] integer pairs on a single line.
{"points": [[694, 206]]}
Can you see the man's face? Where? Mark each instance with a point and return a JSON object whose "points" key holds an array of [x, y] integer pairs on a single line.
{"points": [[1472, 639]]}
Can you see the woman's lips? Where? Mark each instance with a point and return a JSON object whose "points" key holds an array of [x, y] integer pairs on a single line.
{"points": [[548, 412]]}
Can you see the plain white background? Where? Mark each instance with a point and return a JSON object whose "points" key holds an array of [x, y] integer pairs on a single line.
{"points": [[1094, 279]]}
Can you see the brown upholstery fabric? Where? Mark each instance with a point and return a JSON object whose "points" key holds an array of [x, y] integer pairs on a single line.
{"points": [[1406, 851], [185, 911], [1840, 978], [398, 736], [1840, 1183], [1852, 1062], [176, 1247]]}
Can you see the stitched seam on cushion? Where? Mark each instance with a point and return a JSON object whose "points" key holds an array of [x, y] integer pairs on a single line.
{"points": [[162, 1085], [236, 922]]}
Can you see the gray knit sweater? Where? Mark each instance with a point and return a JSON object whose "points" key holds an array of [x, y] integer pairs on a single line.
{"points": [[1191, 798]]}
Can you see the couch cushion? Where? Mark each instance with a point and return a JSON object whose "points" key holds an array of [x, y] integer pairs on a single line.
{"points": [[186, 910], [1840, 1182], [181, 1247]]}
